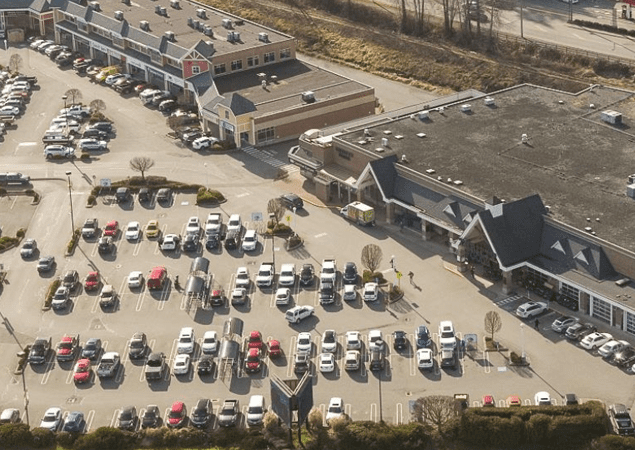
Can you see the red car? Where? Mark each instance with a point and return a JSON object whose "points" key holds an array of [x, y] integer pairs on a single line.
{"points": [[92, 281], [514, 400], [274, 348], [112, 228], [82, 371], [177, 415], [488, 400], [253, 362], [255, 340]]}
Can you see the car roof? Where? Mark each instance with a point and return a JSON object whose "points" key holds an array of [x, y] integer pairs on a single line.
{"points": [[177, 407]]}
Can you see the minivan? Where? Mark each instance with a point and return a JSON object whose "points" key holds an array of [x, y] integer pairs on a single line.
{"points": [[157, 278], [255, 410]]}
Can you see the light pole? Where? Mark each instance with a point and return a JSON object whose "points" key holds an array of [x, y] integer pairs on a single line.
{"points": [[70, 199], [521, 19], [273, 237], [206, 182], [294, 221], [522, 341], [65, 97]]}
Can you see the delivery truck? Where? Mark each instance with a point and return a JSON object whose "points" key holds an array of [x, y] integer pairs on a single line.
{"points": [[359, 213]]}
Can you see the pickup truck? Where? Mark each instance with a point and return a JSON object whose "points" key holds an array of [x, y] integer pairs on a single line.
{"points": [[327, 293], [109, 365], [67, 348], [228, 414], [265, 275], [155, 367], [89, 230], [39, 351], [329, 271]]}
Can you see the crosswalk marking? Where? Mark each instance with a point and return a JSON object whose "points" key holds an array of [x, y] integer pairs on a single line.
{"points": [[266, 157], [510, 299]]}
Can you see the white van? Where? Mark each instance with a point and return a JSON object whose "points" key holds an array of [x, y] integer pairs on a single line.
{"points": [[255, 410], [146, 95]]}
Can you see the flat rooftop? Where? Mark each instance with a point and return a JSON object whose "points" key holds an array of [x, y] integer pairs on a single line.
{"points": [[186, 36], [293, 78], [576, 162]]}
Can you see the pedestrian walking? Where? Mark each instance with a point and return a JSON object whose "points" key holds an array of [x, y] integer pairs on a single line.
{"points": [[411, 276], [392, 262], [536, 324]]}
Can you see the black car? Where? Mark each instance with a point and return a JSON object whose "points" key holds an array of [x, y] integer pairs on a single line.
{"points": [[624, 358], [128, 418], [202, 413], [423, 336], [350, 273], [327, 293], [138, 345], [151, 417], [205, 365], [164, 195], [70, 280], [101, 126], [94, 133], [292, 201], [212, 242], [92, 349], [122, 195], [145, 195], [74, 423], [578, 331], [190, 243], [377, 360], [400, 340], [307, 274]]}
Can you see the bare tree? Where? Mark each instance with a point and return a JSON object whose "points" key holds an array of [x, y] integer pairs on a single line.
{"points": [[371, 257], [15, 63], [276, 208], [141, 164], [97, 105], [434, 409], [73, 96], [493, 323]]}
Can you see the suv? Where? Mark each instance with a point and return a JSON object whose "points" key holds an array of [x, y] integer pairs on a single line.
{"points": [[621, 420], [292, 201], [201, 413], [377, 360], [232, 240], [107, 297], [90, 228], [122, 195], [449, 358], [70, 280], [447, 339], [53, 151], [138, 345]]}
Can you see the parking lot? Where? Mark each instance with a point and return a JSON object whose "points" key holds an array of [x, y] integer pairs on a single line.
{"points": [[439, 292]]}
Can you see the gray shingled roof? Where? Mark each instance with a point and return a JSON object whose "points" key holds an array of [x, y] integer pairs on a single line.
{"points": [[385, 173], [515, 228], [238, 104], [204, 49], [33, 5]]}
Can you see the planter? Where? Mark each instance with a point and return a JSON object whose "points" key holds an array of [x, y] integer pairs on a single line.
{"points": [[292, 243]]}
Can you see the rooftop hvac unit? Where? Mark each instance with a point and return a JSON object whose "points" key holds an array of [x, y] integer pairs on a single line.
{"points": [[169, 35], [421, 135], [190, 22], [631, 179], [164, 11], [630, 190], [612, 117], [236, 36], [489, 101], [308, 97], [144, 25], [441, 109], [366, 132], [466, 108], [239, 22], [126, 2], [157, 9], [379, 150], [196, 24], [175, 4], [207, 31], [423, 115], [96, 6], [263, 83], [230, 36], [227, 23], [201, 13], [119, 15], [274, 78], [384, 142], [524, 138], [430, 171], [263, 37]]}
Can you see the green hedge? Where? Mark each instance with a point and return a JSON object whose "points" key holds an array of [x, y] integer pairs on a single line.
{"points": [[51, 292], [208, 196], [15, 435], [136, 183], [8, 242]]}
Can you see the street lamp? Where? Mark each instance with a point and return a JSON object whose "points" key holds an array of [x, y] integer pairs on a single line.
{"points": [[522, 341], [273, 241], [294, 221], [70, 199], [65, 97], [206, 182]]}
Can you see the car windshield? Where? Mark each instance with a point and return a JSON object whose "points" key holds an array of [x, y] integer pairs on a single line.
{"points": [[329, 338], [227, 411], [154, 362], [90, 345], [175, 414], [126, 415], [184, 340], [304, 340], [335, 409], [264, 273], [447, 334], [28, 245], [209, 340], [136, 344]]}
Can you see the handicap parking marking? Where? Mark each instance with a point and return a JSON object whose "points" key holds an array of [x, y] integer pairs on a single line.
{"points": [[510, 299]]}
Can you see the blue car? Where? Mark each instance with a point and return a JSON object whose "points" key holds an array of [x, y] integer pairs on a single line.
{"points": [[423, 336]]}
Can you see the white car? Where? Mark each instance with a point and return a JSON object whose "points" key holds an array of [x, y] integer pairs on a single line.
{"points": [[250, 241], [52, 419], [447, 339], [36, 43], [9, 111], [531, 309], [213, 224], [350, 292], [186, 341], [133, 231], [371, 292], [612, 347], [353, 340], [425, 359], [375, 340], [112, 79], [204, 142], [304, 342], [59, 150], [239, 296], [327, 362], [135, 279], [210, 342], [542, 398], [283, 296], [242, 277], [595, 340], [335, 409], [91, 144], [60, 298], [329, 341], [234, 223], [193, 226], [170, 242], [352, 360], [287, 275], [181, 364]]}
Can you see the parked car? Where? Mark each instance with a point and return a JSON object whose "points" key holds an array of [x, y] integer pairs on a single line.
{"points": [[133, 231], [531, 309], [307, 274], [46, 264], [542, 398], [204, 142], [138, 345], [91, 349], [182, 364], [292, 201], [621, 420], [91, 144], [202, 413], [579, 330], [151, 417], [329, 341], [177, 416], [400, 340], [57, 151], [70, 279], [210, 342], [595, 340], [127, 419], [562, 323], [611, 347], [304, 342], [422, 335], [10, 415], [350, 273], [335, 409], [326, 362], [52, 419], [425, 359]]}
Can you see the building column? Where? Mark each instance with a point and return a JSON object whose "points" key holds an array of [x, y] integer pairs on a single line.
{"points": [[426, 234], [390, 212], [460, 255], [507, 281]]}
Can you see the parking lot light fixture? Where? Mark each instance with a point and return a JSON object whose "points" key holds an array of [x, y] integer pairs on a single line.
{"points": [[65, 97], [522, 341], [70, 199]]}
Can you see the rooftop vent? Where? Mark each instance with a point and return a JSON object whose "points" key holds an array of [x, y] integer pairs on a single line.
{"points": [[274, 78], [379, 150], [366, 132], [227, 23], [524, 138], [466, 108], [207, 31], [458, 183], [197, 24], [430, 171], [175, 4], [398, 137], [384, 142], [592, 106], [612, 117], [236, 36], [190, 22], [421, 135], [623, 282], [424, 115], [308, 97], [157, 9], [201, 13], [232, 36], [95, 6], [441, 109], [119, 15], [263, 37], [126, 2], [630, 190], [263, 83], [561, 102], [489, 101], [144, 25], [404, 159], [387, 132], [631, 179], [164, 11], [169, 35]]}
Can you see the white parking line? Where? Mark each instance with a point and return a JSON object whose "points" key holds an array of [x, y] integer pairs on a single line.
{"points": [[89, 420], [373, 412], [137, 246], [163, 297], [113, 420], [291, 355], [48, 369], [399, 414]]}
